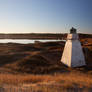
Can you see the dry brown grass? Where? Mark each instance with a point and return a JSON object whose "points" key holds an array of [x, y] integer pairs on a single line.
{"points": [[16, 59], [65, 80]]}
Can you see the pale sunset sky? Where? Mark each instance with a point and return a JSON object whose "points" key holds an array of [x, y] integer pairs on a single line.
{"points": [[45, 16]]}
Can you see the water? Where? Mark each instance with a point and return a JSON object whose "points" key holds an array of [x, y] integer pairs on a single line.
{"points": [[25, 41]]}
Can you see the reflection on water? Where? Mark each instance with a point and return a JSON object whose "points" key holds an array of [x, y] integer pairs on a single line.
{"points": [[25, 41]]}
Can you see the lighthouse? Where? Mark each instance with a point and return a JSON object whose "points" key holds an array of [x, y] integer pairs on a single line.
{"points": [[73, 55]]}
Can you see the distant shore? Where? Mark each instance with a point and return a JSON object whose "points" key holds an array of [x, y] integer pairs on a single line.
{"points": [[39, 36]]}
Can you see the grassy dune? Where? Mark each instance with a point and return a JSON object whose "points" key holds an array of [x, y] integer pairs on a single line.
{"points": [[39, 64]]}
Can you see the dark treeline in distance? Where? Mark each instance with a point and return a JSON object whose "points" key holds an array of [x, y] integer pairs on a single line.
{"points": [[40, 36]]}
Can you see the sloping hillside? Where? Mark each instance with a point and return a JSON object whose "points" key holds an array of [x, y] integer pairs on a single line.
{"points": [[40, 58]]}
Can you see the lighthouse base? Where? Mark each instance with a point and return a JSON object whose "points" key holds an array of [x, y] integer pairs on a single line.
{"points": [[73, 55]]}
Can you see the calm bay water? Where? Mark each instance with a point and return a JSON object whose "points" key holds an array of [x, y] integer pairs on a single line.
{"points": [[25, 41]]}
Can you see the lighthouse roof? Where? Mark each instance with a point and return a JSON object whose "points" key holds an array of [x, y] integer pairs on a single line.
{"points": [[73, 30]]}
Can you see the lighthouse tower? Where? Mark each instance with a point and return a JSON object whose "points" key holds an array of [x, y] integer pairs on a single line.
{"points": [[73, 55]]}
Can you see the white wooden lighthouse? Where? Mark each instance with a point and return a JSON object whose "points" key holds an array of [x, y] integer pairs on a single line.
{"points": [[73, 55]]}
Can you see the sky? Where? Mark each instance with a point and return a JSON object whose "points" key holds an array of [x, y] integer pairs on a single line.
{"points": [[45, 16]]}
